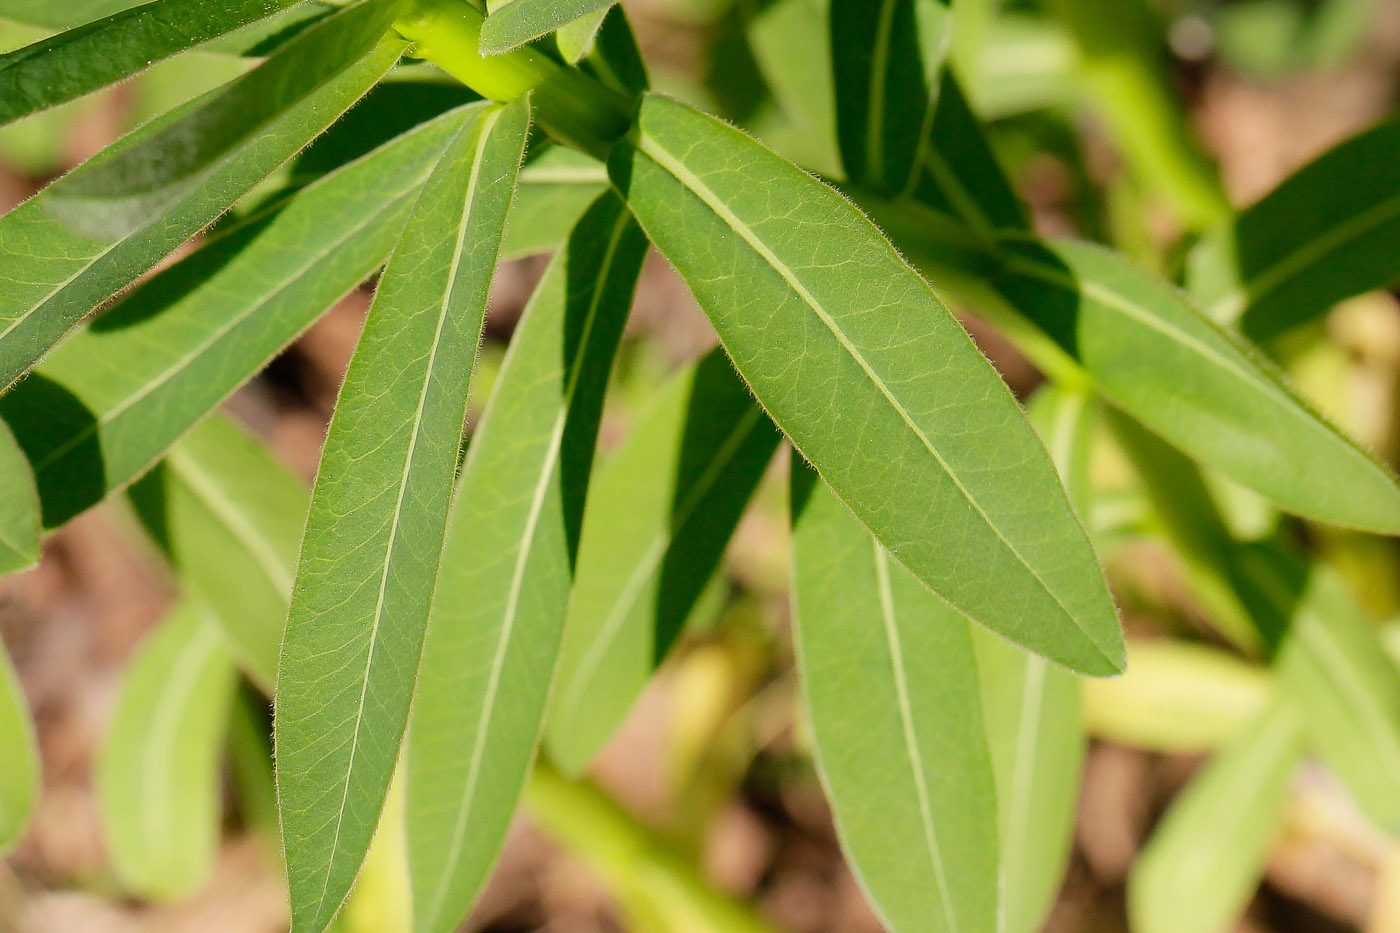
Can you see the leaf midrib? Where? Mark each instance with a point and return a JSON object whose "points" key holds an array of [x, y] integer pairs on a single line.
{"points": [[688, 179]]}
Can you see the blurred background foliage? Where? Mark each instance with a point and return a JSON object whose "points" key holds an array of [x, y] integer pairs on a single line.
{"points": [[1133, 123]]}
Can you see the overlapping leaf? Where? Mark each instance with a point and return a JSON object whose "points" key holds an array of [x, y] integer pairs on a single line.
{"points": [[92, 232], [1324, 234], [230, 518], [555, 189], [1201, 865], [659, 516], [105, 405], [157, 778], [890, 681], [81, 60], [19, 779], [508, 565], [19, 507], [1154, 356], [875, 382], [374, 534], [512, 23]]}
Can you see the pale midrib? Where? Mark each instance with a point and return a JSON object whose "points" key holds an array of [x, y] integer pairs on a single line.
{"points": [[185, 361], [517, 581], [963, 202], [1024, 768], [1285, 268], [658, 548], [563, 176], [483, 139], [161, 737], [911, 742], [690, 180], [879, 63], [1112, 299]]}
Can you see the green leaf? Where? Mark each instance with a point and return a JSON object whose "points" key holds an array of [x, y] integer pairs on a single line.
{"points": [[19, 779], [512, 23], [19, 507], [1154, 356], [890, 682], [81, 60], [608, 51], [1203, 862], [92, 232], [374, 534], [877, 385], [230, 518], [504, 585], [157, 772], [791, 43], [555, 189], [1325, 234], [106, 404], [658, 519], [884, 88], [1033, 715]]}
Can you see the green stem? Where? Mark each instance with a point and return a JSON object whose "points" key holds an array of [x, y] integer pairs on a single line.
{"points": [[647, 877], [568, 103]]}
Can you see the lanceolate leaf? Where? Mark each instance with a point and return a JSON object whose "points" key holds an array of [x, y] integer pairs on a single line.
{"points": [[157, 778], [230, 518], [874, 381], [93, 231], [1154, 356], [105, 405], [891, 687], [1325, 234], [504, 585], [1204, 860], [659, 516], [1033, 714], [19, 778], [884, 89], [81, 60], [19, 507], [512, 23], [378, 516]]}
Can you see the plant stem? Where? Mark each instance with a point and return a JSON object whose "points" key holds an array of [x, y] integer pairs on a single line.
{"points": [[568, 103], [645, 875]]}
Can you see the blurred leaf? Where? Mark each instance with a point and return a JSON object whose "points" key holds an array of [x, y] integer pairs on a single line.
{"points": [[1177, 697], [1204, 860], [890, 682], [81, 60], [658, 519], [378, 517], [884, 87], [611, 53], [95, 230], [1325, 234], [1026, 63], [106, 404], [888, 396], [19, 507], [1033, 716], [1153, 355], [230, 517], [512, 23], [506, 571], [791, 42], [157, 772], [19, 778], [555, 189]]}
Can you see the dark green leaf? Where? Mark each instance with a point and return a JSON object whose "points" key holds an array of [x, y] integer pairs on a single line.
{"points": [[1154, 356], [507, 568], [890, 681], [374, 534], [875, 382], [95, 230], [157, 777], [81, 60], [659, 516], [105, 405]]}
